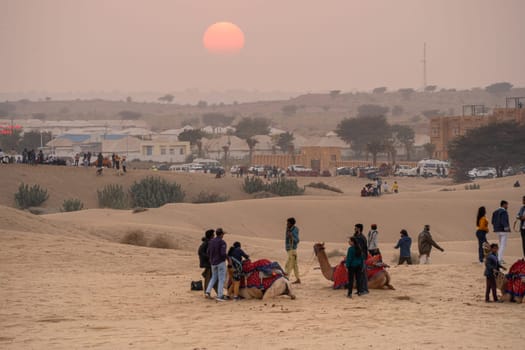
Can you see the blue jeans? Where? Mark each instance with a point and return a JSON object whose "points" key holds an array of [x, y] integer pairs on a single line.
{"points": [[482, 238], [218, 272]]}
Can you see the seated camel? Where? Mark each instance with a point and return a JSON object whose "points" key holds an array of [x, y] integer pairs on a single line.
{"points": [[378, 277], [512, 285], [264, 279]]}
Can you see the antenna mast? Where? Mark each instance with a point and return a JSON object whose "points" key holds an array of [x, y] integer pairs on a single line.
{"points": [[424, 66]]}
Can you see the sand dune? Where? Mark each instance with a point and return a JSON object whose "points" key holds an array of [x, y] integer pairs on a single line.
{"points": [[66, 281]]}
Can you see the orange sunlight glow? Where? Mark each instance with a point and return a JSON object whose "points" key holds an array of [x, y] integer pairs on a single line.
{"points": [[223, 38]]}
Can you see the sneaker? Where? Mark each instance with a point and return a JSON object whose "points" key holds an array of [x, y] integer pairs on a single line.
{"points": [[362, 293], [207, 295], [236, 298], [349, 296], [220, 299], [297, 281]]}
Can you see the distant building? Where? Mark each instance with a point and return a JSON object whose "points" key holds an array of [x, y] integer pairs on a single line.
{"points": [[164, 150], [444, 129]]}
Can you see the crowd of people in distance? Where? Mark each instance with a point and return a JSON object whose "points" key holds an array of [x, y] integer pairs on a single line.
{"points": [[378, 187]]}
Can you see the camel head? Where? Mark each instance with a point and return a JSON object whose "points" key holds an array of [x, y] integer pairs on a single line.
{"points": [[318, 247]]}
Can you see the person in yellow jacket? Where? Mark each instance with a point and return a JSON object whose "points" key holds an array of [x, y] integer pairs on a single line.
{"points": [[395, 187], [482, 225]]}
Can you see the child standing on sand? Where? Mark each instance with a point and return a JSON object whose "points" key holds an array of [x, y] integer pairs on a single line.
{"points": [[235, 256], [492, 265]]}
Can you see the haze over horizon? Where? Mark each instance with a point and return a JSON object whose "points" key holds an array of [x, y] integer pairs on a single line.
{"points": [[128, 45]]}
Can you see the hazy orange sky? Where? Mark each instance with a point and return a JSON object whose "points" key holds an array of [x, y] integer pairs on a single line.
{"points": [[294, 45]]}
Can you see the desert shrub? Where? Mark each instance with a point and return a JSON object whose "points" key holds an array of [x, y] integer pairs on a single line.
{"points": [[30, 196], [472, 187], [72, 204], [163, 242], [324, 186], [415, 258], [153, 192], [253, 184], [112, 196], [135, 238], [446, 189], [210, 197], [285, 187], [264, 194]]}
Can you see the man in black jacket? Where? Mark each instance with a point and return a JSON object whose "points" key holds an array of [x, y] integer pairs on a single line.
{"points": [[204, 259], [363, 245], [500, 222]]}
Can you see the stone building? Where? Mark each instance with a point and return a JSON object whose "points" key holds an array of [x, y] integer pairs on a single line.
{"points": [[444, 129]]}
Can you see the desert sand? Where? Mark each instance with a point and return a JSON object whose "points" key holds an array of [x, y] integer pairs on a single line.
{"points": [[66, 281]]}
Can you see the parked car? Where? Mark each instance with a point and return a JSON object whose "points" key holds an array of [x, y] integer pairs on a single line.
{"points": [[482, 172], [344, 171], [403, 170], [299, 168]]}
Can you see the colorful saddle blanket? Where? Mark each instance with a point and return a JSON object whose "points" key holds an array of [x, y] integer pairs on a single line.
{"points": [[516, 279], [374, 265], [260, 273]]}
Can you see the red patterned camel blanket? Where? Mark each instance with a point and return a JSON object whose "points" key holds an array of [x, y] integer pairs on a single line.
{"points": [[260, 273], [516, 279], [374, 265]]}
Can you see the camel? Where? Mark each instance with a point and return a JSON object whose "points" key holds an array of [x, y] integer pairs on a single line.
{"points": [[280, 287], [379, 280], [512, 285], [264, 280]]}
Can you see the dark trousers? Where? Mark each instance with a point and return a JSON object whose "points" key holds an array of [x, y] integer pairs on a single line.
{"points": [[362, 280], [402, 259], [491, 285], [354, 272], [206, 274], [482, 238], [523, 240]]}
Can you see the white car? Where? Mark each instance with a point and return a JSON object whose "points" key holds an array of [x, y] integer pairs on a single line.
{"points": [[403, 170], [482, 172], [299, 168]]}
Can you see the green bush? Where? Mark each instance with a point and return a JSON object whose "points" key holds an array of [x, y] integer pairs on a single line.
{"points": [[210, 197], [72, 205], [153, 192], [285, 187], [324, 186], [253, 184], [32, 196], [113, 196]]}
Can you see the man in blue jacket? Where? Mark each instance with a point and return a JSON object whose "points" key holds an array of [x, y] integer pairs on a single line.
{"points": [[500, 222], [291, 242], [217, 255]]}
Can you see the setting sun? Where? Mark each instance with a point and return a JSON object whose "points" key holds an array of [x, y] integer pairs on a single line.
{"points": [[223, 38]]}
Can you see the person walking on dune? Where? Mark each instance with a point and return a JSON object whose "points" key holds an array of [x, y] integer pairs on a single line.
{"points": [[501, 225], [425, 244], [403, 245], [291, 242]]}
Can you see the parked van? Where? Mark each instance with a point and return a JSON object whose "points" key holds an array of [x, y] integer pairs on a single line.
{"points": [[430, 167]]}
